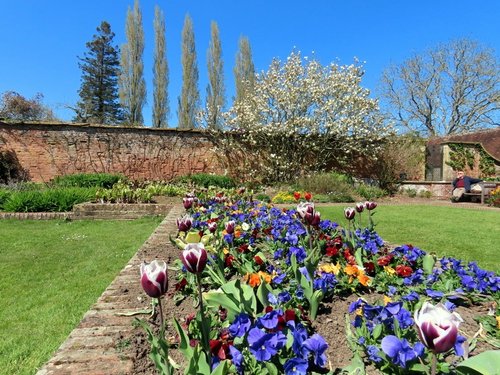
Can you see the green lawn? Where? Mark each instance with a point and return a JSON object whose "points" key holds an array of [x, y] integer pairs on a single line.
{"points": [[463, 233], [50, 274]]}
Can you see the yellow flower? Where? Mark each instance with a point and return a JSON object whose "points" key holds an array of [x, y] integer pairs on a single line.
{"points": [[389, 270], [225, 251], [351, 270], [330, 268], [498, 321], [387, 299]]}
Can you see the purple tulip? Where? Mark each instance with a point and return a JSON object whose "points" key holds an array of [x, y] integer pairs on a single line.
{"points": [[230, 225], [154, 278], [437, 327], [360, 207], [194, 257], [313, 219], [305, 208], [188, 202], [370, 205], [212, 227], [184, 224], [349, 213]]}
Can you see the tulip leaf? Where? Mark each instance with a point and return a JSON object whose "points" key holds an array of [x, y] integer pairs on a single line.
{"points": [[428, 264], [216, 298], [263, 293], [193, 237], [222, 368], [486, 363], [184, 345]]}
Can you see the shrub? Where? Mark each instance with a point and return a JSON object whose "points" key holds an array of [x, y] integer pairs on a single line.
{"points": [[50, 200], [494, 199], [412, 193], [10, 168], [143, 192], [102, 180], [263, 197], [206, 180], [4, 195], [339, 197], [370, 192], [324, 183], [425, 194]]}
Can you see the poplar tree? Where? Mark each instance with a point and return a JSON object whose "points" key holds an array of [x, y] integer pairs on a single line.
{"points": [[215, 100], [131, 80], [190, 95], [161, 107], [244, 70], [99, 83]]}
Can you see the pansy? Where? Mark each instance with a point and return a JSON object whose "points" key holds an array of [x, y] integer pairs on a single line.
{"points": [[399, 351], [317, 346], [240, 325], [296, 366], [265, 345]]}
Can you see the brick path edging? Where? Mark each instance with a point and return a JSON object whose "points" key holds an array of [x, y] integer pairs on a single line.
{"points": [[91, 348]]}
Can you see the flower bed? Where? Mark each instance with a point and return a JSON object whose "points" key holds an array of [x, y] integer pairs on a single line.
{"points": [[264, 278]]}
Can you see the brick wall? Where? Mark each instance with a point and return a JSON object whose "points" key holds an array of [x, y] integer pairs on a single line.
{"points": [[49, 150]]}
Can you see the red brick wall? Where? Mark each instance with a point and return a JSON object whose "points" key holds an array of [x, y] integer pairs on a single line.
{"points": [[49, 150]]}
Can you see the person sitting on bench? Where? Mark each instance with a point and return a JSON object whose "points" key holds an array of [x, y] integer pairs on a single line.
{"points": [[461, 185]]}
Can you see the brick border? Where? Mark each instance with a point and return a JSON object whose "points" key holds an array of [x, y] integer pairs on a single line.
{"points": [[92, 348]]}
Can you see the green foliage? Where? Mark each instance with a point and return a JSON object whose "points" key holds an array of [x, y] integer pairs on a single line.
{"points": [[263, 197], [49, 200], [412, 193], [370, 192], [206, 180], [425, 194], [486, 163], [102, 180], [99, 82], [325, 183], [4, 196], [486, 363], [128, 192], [461, 156]]}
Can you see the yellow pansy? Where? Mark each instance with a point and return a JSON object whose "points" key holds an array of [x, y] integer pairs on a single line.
{"points": [[389, 270], [387, 299]]}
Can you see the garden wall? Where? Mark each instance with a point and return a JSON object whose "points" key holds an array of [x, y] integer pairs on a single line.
{"points": [[48, 150]]}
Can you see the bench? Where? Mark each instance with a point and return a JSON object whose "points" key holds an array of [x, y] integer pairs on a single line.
{"points": [[486, 189]]}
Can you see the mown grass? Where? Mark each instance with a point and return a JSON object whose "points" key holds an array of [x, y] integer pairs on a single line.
{"points": [[463, 233], [50, 274]]}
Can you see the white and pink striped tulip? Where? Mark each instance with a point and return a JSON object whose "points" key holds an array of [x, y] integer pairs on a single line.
{"points": [[194, 257], [154, 278]]}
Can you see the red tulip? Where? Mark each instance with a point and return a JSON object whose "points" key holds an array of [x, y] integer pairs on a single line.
{"points": [[154, 278], [194, 257], [212, 227], [307, 196], [296, 195], [437, 327]]}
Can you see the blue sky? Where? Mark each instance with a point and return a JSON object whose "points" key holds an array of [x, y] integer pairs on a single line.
{"points": [[40, 40]]}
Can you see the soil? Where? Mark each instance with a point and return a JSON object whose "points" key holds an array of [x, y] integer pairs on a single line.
{"points": [[330, 322]]}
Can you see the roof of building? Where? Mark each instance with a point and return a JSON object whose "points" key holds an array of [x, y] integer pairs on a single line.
{"points": [[488, 139]]}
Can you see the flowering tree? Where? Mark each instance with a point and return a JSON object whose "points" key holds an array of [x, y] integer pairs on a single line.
{"points": [[302, 117]]}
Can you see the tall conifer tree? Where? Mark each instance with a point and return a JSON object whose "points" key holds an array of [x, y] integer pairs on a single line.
{"points": [[215, 89], [244, 70], [190, 95], [131, 80], [99, 83], [161, 107]]}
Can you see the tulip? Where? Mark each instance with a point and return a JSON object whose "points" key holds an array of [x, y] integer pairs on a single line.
{"points": [[304, 208], [360, 207], [314, 219], [307, 196], [212, 227], [188, 202], [349, 213], [370, 205], [437, 327], [230, 225], [184, 224], [194, 257], [154, 278]]}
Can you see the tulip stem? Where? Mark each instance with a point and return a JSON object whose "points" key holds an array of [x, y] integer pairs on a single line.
{"points": [[204, 325], [433, 364], [162, 325]]}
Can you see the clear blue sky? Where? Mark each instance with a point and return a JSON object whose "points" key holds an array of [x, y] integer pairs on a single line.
{"points": [[40, 40]]}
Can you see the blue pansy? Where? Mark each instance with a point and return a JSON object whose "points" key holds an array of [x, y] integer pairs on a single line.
{"points": [[317, 346], [295, 366], [265, 345], [373, 355], [240, 325], [270, 319], [399, 351]]}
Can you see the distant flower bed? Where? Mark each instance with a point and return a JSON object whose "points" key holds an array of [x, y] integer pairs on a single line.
{"points": [[260, 275]]}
